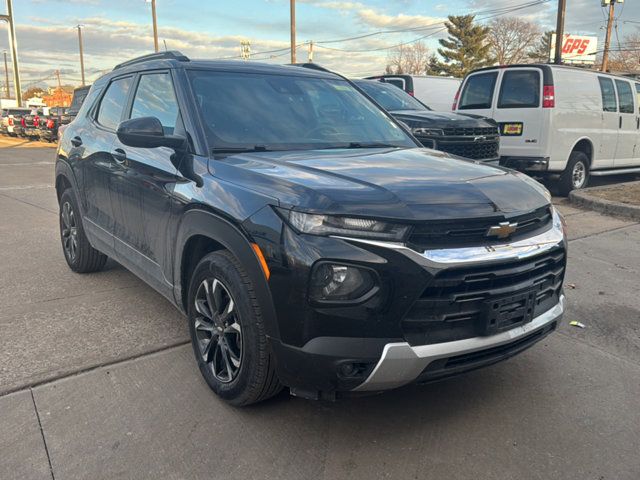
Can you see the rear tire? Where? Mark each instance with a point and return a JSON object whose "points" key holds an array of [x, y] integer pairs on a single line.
{"points": [[227, 332], [78, 252], [576, 175]]}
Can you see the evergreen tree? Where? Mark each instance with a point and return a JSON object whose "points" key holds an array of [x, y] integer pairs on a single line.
{"points": [[466, 48], [542, 51]]}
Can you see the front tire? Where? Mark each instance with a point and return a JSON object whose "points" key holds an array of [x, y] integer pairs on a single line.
{"points": [[78, 252], [227, 332], [576, 175]]}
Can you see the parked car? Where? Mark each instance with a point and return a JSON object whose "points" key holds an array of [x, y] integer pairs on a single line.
{"points": [[468, 136], [437, 92], [49, 124], [79, 94], [31, 122], [11, 118], [559, 122], [308, 238]]}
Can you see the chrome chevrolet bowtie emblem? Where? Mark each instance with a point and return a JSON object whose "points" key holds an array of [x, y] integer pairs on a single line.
{"points": [[480, 138], [502, 230]]}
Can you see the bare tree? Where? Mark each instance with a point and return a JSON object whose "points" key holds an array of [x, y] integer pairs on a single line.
{"points": [[411, 59], [626, 56], [511, 39]]}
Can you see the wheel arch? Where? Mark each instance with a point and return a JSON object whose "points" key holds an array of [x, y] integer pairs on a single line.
{"points": [[202, 232], [584, 145]]}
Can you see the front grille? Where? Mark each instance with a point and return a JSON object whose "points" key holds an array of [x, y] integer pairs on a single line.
{"points": [[453, 306], [461, 131], [471, 150], [448, 234]]}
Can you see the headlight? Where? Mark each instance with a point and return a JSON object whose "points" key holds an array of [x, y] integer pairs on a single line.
{"points": [[558, 220], [343, 226], [337, 282], [535, 184], [422, 131]]}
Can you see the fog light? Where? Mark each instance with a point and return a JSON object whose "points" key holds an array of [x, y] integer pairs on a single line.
{"points": [[339, 282]]}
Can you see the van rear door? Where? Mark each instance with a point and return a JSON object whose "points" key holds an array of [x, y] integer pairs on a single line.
{"points": [[519, 112]]}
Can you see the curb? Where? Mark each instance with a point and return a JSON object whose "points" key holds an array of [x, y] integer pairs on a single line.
{"points": [[582, 198]]}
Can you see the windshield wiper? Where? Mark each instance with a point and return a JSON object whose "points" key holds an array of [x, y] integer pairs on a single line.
{"points": [[255, 148], [371, 145]]}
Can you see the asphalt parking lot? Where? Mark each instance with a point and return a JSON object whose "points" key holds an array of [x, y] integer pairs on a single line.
{"points": [[97, 379]]}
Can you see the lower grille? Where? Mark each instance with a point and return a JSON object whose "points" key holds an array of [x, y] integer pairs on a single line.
{"points": [[454, 304]]}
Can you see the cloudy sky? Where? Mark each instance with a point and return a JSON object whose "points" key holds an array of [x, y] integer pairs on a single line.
{"points": [[115, 30]]}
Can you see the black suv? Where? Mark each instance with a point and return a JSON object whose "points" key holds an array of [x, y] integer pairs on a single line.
{"points": [[469, 136], [309, 239]]}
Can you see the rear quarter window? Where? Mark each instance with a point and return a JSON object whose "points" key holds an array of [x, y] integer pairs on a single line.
{"points": [[625, 96], [478, 91], [520, 89]]}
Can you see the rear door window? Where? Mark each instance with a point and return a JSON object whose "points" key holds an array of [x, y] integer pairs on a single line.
{"points": [[609, 103], [520, 89], [638, 95], [625, 97], [113, 103], [478, 91]]}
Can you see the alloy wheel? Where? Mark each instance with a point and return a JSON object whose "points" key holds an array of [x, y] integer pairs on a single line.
{"points": [[69, 231], [218, 332]]}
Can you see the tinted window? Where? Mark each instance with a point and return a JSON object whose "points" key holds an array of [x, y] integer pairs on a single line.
{"points": [[287, 112], [398, 82], [609, 103], [638, 95], [90, 99], [155, 98], [79, 94], [625, 96], [390, 97], [478, 91], [520, 89], [113, 103]]}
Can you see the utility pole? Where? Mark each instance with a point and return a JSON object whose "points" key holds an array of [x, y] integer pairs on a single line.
{"points": [[155, 25], [562, 7], [607, 40], [6, 74], [81, 52], [293, 30], [310, 57], [58, 77], [245, 50], [14, 50]]}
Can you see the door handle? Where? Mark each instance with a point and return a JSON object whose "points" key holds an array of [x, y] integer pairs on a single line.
{"points": [[638, 123], [119, 155], [620, 121], [76, 141]]}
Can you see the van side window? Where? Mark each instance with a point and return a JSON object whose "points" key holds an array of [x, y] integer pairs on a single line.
{"points": [[478, 91], [625, 96], [638, 95], [520, 89], [609, 103]]}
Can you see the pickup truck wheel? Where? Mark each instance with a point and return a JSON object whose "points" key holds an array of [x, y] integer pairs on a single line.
{"points": [[576, 175], [78, 252], [227, 332]]}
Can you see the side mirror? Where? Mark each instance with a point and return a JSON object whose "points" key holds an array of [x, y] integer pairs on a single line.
{"points": [[147, 132]]}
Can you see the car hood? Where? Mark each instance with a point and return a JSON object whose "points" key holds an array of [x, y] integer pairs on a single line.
{"points": [[408, 184], [415, 118]]}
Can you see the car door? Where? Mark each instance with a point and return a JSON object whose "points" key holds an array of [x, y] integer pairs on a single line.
{"points": [[93, 139], [627, 125], [143, 183], [610, 124]]}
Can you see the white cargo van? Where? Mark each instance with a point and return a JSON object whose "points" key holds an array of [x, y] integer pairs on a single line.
{"points": [[556, 121], [435, 92]]}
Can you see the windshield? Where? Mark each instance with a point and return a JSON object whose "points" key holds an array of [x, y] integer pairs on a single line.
{"points": [[281, 112], [391, 98]]}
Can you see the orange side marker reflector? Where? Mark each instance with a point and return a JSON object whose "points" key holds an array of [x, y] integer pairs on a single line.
{"points": [[263, 262]]}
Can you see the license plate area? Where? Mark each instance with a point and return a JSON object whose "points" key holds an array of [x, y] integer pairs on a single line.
{"points": [[511, 129], [508, 312]]}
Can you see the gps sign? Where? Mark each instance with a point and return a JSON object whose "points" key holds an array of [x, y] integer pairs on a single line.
{"points": [[576, 48]]}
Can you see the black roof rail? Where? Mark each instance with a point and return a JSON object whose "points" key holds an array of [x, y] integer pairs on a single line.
{"points": [[169, 55]]}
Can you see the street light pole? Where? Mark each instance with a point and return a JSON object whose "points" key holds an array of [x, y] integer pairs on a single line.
{"points": [[81, 52], [155, 25], [14, 50], [6, 74], [293, 31]]}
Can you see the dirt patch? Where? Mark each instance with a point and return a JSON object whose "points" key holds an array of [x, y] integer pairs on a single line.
{"points": [[627, 193]]}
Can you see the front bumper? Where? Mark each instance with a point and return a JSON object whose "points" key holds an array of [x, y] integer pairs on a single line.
{"points": [[526, 164], [401, 363]]}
